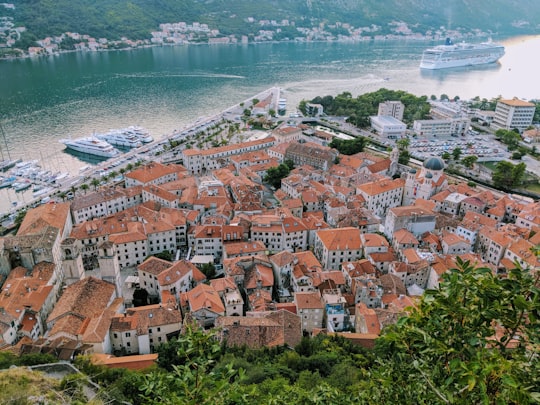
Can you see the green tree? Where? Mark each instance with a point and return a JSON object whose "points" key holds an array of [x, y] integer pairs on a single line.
{"points": [[84, 187], [403, 144], [349, 146], [509, 138], [469, 161], [473, 341], [507, 176], [95, 182], [274, 175], [404, 157], [209, 270], [456, 153], [446, 155], [193, 377]]}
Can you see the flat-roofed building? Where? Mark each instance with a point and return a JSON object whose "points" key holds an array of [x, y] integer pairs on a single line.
{"points": [[388, 127]]}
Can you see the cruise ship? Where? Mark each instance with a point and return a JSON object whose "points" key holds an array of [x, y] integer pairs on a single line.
{"points": [[452, 55], [119, 137], [92, 146]]}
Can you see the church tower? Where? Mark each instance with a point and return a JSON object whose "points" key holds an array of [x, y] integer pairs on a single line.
{"points": [[394, 160], [72, 263], [109, 267]]}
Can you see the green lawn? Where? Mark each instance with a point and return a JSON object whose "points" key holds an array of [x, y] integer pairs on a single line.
{"points": [[489, 165]]}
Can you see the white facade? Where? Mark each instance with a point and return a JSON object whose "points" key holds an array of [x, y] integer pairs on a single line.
{"points": [[388, 127], [441, 127], [514, 113], [393, 109]]}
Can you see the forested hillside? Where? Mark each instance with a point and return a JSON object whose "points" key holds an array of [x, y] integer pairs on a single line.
{"points": [[135, 19]]}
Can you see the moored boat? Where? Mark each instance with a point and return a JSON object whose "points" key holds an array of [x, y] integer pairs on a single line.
{"points": [[92, 146]]}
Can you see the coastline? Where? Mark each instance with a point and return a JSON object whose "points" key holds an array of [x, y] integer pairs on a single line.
{"points": [[363, 39]]}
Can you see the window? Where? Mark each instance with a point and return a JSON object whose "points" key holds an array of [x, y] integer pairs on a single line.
{"points": [[128, 334]]}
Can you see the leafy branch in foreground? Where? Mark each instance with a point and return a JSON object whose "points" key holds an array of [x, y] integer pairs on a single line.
{"points": [[475, 340]]}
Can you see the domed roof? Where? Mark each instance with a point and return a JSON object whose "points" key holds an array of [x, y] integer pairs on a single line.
{"points": [[434, 163], [429, 176]]}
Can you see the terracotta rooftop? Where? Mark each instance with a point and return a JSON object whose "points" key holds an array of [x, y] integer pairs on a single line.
{"points": [[86, 298], [308, 300], [54, 214], [340, 239]]}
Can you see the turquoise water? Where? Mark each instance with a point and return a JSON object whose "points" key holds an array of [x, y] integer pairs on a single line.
{"points": [[164, 88]]}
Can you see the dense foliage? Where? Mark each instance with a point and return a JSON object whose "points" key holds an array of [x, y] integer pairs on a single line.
{"points": [[137, 18], [359, 109], [349, 146], [274, 175], [507, 176]]}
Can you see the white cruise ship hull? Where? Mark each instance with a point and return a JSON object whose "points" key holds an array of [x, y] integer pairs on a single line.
{"points": [[444, 57]]}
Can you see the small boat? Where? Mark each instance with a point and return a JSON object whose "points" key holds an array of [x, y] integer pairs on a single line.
{"points": [[42, 191], [61, 176], [8, 182], [21, 186], [8, 164], [26, 163]]}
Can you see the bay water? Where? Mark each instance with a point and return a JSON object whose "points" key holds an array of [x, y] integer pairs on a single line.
{"points": [[43, 100]]}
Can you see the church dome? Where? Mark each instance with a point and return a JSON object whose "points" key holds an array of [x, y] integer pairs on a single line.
{"points": [[429, 176], [434, 163]]}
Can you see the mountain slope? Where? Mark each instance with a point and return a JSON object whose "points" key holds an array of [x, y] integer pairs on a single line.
{"points": [[137, 18]]}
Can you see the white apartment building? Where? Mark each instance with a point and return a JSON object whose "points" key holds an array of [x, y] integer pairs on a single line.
{"points": [[335, 246], [393, 109], [441, 127], [199, 161], [382, 195], [515, 113], [412, 218], [104, 202], [280, 233]]}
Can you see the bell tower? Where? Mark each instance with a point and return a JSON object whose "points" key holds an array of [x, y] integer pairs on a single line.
{"points": [[109, 267], [72, 264]]}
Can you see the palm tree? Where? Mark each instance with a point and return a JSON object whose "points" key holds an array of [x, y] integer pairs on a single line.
{"points": [[84, 187], [95, 183], [62, 195], [129, 167]]}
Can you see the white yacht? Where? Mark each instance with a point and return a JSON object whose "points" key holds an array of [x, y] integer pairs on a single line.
{"points": [[92, 146], [142, 134], [452, 55], [120, 137]]}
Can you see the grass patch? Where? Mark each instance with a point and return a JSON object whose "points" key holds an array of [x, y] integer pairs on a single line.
{"points": [[489, 165]]}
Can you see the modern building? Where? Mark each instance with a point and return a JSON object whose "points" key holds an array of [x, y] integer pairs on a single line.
{"points": [[393, 109], [388, 127], [515, 113], [440, 128]]}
